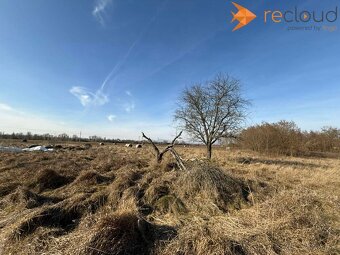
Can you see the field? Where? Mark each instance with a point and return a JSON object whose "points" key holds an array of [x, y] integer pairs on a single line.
{"points": [[111, 199]]}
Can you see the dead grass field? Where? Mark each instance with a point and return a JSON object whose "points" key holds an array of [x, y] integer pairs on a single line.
{"points": [[116, 200]]}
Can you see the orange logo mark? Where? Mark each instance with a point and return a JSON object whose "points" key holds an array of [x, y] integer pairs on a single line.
{"points": [[244, 16]]}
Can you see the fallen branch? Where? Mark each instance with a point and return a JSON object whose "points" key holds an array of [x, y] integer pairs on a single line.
{"points": [[178, 159]]}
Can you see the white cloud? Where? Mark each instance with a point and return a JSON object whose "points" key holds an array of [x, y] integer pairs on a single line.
{"points": [[5, 107], [111, 117], [88, 98], [129, 107], [99, 10]]}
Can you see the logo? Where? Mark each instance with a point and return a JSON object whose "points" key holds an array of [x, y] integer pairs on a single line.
{"points": [[294, 18], [243, 16], [304, 20], [296, 15]]}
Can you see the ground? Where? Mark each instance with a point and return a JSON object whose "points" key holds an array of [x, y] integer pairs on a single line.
{"points": [[110, 199]]}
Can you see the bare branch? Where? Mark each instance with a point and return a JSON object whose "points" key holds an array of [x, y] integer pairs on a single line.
{"points": [[172, 143], [152, 143], [159, 155], [178, 136]]}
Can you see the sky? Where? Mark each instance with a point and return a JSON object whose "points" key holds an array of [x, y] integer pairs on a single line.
{"points": [[114, 68]]}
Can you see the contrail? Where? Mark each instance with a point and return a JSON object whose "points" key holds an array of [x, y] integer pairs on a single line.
{"points": [[116, 68], [182, 55]]}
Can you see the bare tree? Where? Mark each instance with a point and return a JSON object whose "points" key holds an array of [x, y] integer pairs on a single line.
{"points": [[211, 111]]}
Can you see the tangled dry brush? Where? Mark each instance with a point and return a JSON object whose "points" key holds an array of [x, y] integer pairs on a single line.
{"points": [[116, 200]]}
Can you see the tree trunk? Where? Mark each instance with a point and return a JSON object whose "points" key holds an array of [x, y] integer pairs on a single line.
{"points": [[209, 150]]}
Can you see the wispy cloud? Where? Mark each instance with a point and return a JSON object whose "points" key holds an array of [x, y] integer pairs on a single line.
{"points": [[184, 54], [5, 107], [99, 10], [129, 107], [111, 117], [99, 98], [115, 70], [88, 98]]}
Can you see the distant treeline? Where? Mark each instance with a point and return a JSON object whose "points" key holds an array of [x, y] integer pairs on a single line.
{"points": [[65, 137], [59, 137], [286, 138], [281, 138]]}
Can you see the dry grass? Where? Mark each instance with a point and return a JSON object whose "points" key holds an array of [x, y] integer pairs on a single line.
{"points": [[115, 200], [117, 234], [205, 187], [49, 179]]}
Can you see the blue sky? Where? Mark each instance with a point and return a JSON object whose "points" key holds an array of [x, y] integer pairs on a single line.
{"points": [[116, 67]]}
